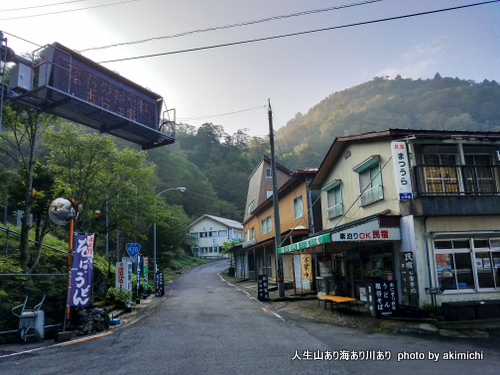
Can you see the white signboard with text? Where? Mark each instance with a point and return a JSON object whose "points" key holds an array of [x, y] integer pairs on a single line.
{"points": [[401, 170], [370, 231]]}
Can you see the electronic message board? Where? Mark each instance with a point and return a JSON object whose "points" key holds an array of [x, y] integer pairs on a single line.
{"points": [[76, 88], [70, 72]]}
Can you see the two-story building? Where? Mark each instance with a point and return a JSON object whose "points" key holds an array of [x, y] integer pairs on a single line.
{"points": [[420, 206], [257, 255], [211, 232]]}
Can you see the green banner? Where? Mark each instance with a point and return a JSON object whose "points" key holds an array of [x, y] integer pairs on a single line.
{"points": [[310, 242]]}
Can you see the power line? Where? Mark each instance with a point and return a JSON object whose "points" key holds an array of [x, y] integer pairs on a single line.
{"points": [[40, 6], [220, 115], [24, 40], [296, 33], [247, 23], [66, 11]]}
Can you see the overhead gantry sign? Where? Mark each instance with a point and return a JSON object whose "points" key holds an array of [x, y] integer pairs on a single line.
{"points": [[64, 83]]}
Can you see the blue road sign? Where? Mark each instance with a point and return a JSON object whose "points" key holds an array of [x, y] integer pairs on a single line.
{"points": [[133, 249]]}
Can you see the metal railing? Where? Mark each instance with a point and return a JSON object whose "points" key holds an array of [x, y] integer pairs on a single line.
{"points": [[334, 211], [371, 195], [449, 180]]}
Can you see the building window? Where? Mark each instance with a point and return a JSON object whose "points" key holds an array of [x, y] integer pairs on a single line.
{"points": [[247, 235], [266, 225], [251, 206], [468, 264], [370, 181], [269, 193], [223, 233], [203, 234], [195, 234], [442, 175], [298, 207], [252, 233], [213, 234], [269, 174], [334, 199]]}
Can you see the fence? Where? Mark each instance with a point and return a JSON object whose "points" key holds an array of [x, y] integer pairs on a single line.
{"points": [[50, 279]]}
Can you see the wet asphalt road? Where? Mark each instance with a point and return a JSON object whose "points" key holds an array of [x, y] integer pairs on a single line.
{"points": [[205, 326]]}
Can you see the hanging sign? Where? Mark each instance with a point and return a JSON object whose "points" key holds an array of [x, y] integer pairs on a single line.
{"points": [[306, 266], [81, 271], [401, 171]]}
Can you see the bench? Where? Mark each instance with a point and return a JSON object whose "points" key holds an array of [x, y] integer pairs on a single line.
{"points": [[338, 300]]}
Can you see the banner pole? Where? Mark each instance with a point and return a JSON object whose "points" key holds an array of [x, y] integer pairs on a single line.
{"points": [[70, 253]]}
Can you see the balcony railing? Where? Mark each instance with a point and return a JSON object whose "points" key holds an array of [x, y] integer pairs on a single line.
{"points": [[334, 211], [432, 180], [371, 195]]}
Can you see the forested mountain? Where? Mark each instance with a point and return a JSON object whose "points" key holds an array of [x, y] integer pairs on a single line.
{"points": [[213, 165], [438, 103]]}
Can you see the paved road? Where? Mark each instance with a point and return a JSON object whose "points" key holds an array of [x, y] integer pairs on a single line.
{"points": [[204, 326]]}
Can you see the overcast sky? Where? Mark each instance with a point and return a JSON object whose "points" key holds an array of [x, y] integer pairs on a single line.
{"points": [[295, 72]]}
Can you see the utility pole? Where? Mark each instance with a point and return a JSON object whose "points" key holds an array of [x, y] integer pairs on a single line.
{"points": [[277, 227]]}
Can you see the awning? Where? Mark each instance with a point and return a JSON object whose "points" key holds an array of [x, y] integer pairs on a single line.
{"points": [[310, 242]]}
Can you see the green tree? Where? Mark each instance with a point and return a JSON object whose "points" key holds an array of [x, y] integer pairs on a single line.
{"points": [[20, 138]]}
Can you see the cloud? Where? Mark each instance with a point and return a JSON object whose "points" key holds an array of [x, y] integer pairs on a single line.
{"points": [[419, 61]]}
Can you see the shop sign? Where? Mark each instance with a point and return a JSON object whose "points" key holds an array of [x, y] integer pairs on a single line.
{"points": [[401, 171], [408, 274], [370, 231], [81, 270], [123, 275], [382, 298], [263, 288], [314, 241], [306, 267]]}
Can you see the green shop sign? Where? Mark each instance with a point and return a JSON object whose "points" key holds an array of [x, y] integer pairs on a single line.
{"points": [[318, 240]]}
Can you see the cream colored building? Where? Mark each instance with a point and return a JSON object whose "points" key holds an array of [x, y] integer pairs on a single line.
{"points": [[421, 198]]}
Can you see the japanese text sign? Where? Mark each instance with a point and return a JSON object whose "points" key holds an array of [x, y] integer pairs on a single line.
{"points": [[401, 170], [81, 271], [408, 272], [370, 231]]}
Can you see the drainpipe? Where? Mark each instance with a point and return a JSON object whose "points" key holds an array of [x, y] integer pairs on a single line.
{"points": [[310, 207], [428, 259]]}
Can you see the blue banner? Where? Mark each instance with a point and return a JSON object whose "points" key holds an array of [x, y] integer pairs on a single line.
{"points": [[81, 271]]}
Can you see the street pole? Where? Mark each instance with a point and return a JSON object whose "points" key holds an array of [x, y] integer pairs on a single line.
{"points": [[182, 189], [277, 227]]}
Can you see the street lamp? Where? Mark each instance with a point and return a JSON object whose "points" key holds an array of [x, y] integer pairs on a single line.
{"points": [[182, 189]]}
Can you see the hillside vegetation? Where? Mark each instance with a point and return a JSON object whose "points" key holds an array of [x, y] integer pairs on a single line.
{"points": [[440, 103]]}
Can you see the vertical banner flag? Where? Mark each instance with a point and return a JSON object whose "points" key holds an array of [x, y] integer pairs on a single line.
{"points": [[401, 170], [146, 266], [81, 271], [138, 284]]}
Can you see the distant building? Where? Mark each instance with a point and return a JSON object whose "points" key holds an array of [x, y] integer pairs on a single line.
{"points": [[211, 232]]}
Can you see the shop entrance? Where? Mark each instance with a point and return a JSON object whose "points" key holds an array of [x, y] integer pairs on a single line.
{"points": [[353, 268]]}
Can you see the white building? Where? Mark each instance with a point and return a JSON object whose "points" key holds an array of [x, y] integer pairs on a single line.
{"points": [[211, 232]]}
